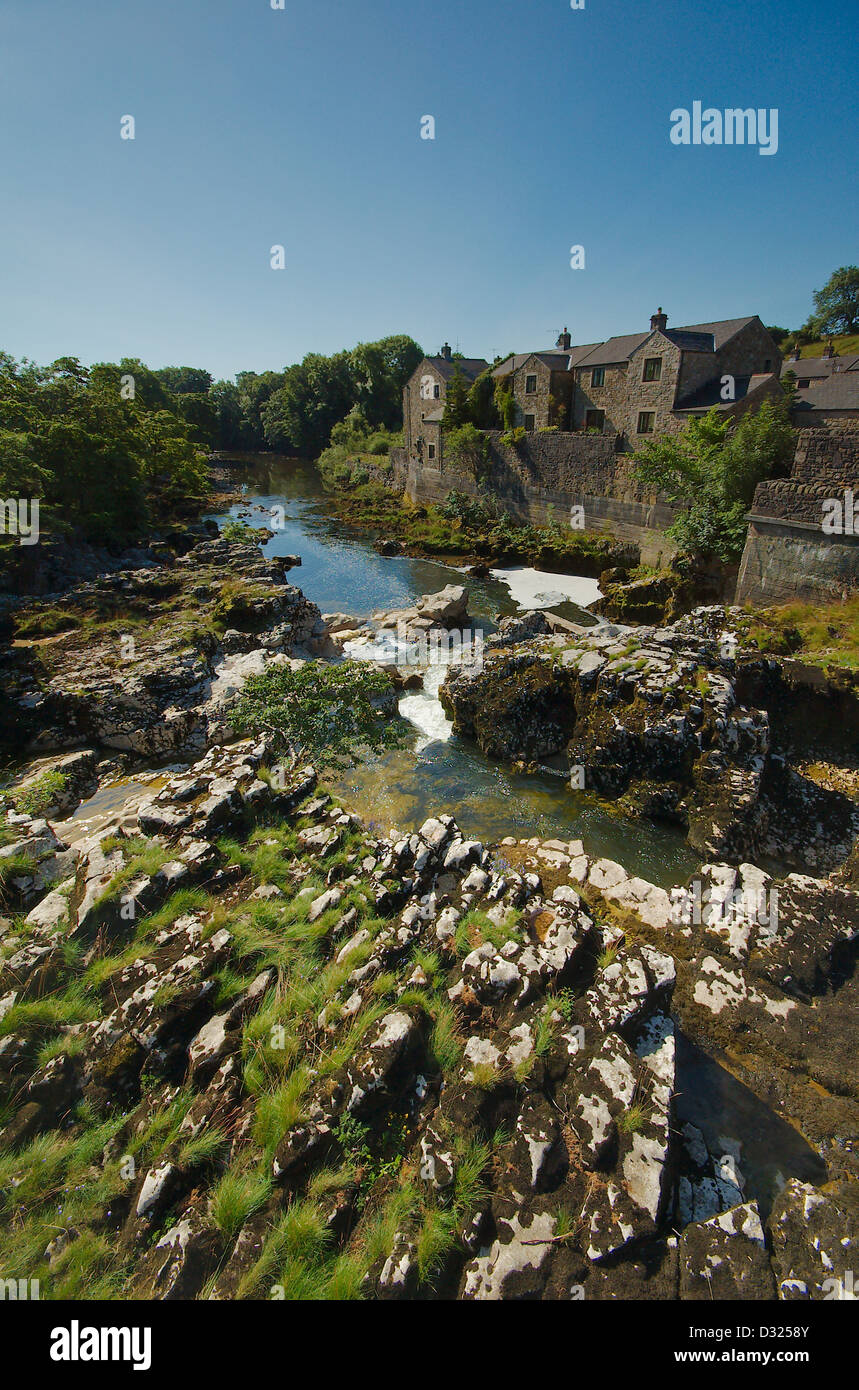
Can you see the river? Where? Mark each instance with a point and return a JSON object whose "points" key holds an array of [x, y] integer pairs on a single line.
{"points": [[438, 771]]}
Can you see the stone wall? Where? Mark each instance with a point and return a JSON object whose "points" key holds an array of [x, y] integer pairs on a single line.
{"points": [[787, 554], [544, 476]]}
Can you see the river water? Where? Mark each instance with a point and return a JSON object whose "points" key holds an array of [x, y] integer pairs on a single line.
{"points": [[438, 771]]}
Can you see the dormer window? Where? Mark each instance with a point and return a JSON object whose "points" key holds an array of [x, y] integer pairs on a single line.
{"points": [[652, 369]]}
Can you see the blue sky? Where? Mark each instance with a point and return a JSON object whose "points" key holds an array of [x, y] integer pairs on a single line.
{"points": [[302, 127]]}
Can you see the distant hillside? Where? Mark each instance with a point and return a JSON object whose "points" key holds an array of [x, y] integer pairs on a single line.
{"points": [[846, 346]]}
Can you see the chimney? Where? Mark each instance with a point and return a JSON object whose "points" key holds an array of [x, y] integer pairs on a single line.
{"points": [[447, 352], [796, 354], [829, 350], [659, 320], [564, 340]]}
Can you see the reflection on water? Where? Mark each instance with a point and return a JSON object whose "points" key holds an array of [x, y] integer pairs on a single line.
{"points": [[341, 572]]}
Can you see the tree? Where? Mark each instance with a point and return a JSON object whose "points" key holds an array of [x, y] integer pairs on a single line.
{"points": [[482, 407], [325, 714], [468, 448], [777, 334], [710, 471], [315, 394], [379, 372], [102, 463], [505, 403], [456, 411], [185, 381], [837, 304]]}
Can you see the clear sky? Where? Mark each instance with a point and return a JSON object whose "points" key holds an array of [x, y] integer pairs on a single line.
{"points": [[301, 127]]}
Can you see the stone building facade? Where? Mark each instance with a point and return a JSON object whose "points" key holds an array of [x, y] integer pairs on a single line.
{"points": [[424, 397], [789, 552], [651, 383]]}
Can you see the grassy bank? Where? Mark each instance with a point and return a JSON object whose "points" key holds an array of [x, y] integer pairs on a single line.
{"points": [[473, 532], [826, 636]]}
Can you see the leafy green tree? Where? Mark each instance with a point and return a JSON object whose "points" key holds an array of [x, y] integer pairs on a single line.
{"points": [[225, 398], [482, 405], [103, 464], [505, 404], [315, 394], [837, 304], [329, 715], [379, 373], [456, 410], [185, 381], [468, 448], [710, 471], [255, 391]]}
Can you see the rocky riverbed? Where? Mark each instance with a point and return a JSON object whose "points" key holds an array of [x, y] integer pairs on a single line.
{"points": [[250, 1047]]}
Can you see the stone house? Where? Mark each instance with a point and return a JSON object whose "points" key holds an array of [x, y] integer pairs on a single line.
{"points": [[542, 384], [644, 383], [825, 385], [424, 397]]}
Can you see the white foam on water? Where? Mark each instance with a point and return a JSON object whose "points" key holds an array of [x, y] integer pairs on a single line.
{"points": [[422, 708], [531, 588]]}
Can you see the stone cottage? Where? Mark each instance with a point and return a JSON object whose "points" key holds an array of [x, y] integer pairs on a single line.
{"points": [[646, 383], [424, 397]]}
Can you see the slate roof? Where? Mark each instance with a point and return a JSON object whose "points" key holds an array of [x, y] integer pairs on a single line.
{"points": [[471, 367], [710, 393], [559, 359], [837, 392], [818, 367], [693, 337]]}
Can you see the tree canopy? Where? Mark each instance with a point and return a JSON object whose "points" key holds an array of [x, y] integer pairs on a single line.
{"points": [[837, 304], [325, 714], [711, 469], [103, 462]]}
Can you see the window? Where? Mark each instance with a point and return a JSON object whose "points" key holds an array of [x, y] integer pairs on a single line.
{"points": [[594, 419], [768, 365], [530, 422], [652, 369], [432, 451], [598, 376], [645, 422], [530, 385], [436, 390], [804, 382]]}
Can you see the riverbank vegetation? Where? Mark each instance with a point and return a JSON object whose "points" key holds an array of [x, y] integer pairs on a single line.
{"points": [[103, 448], [710, 471], [474, 530], [113, 449], [824, 635]]}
